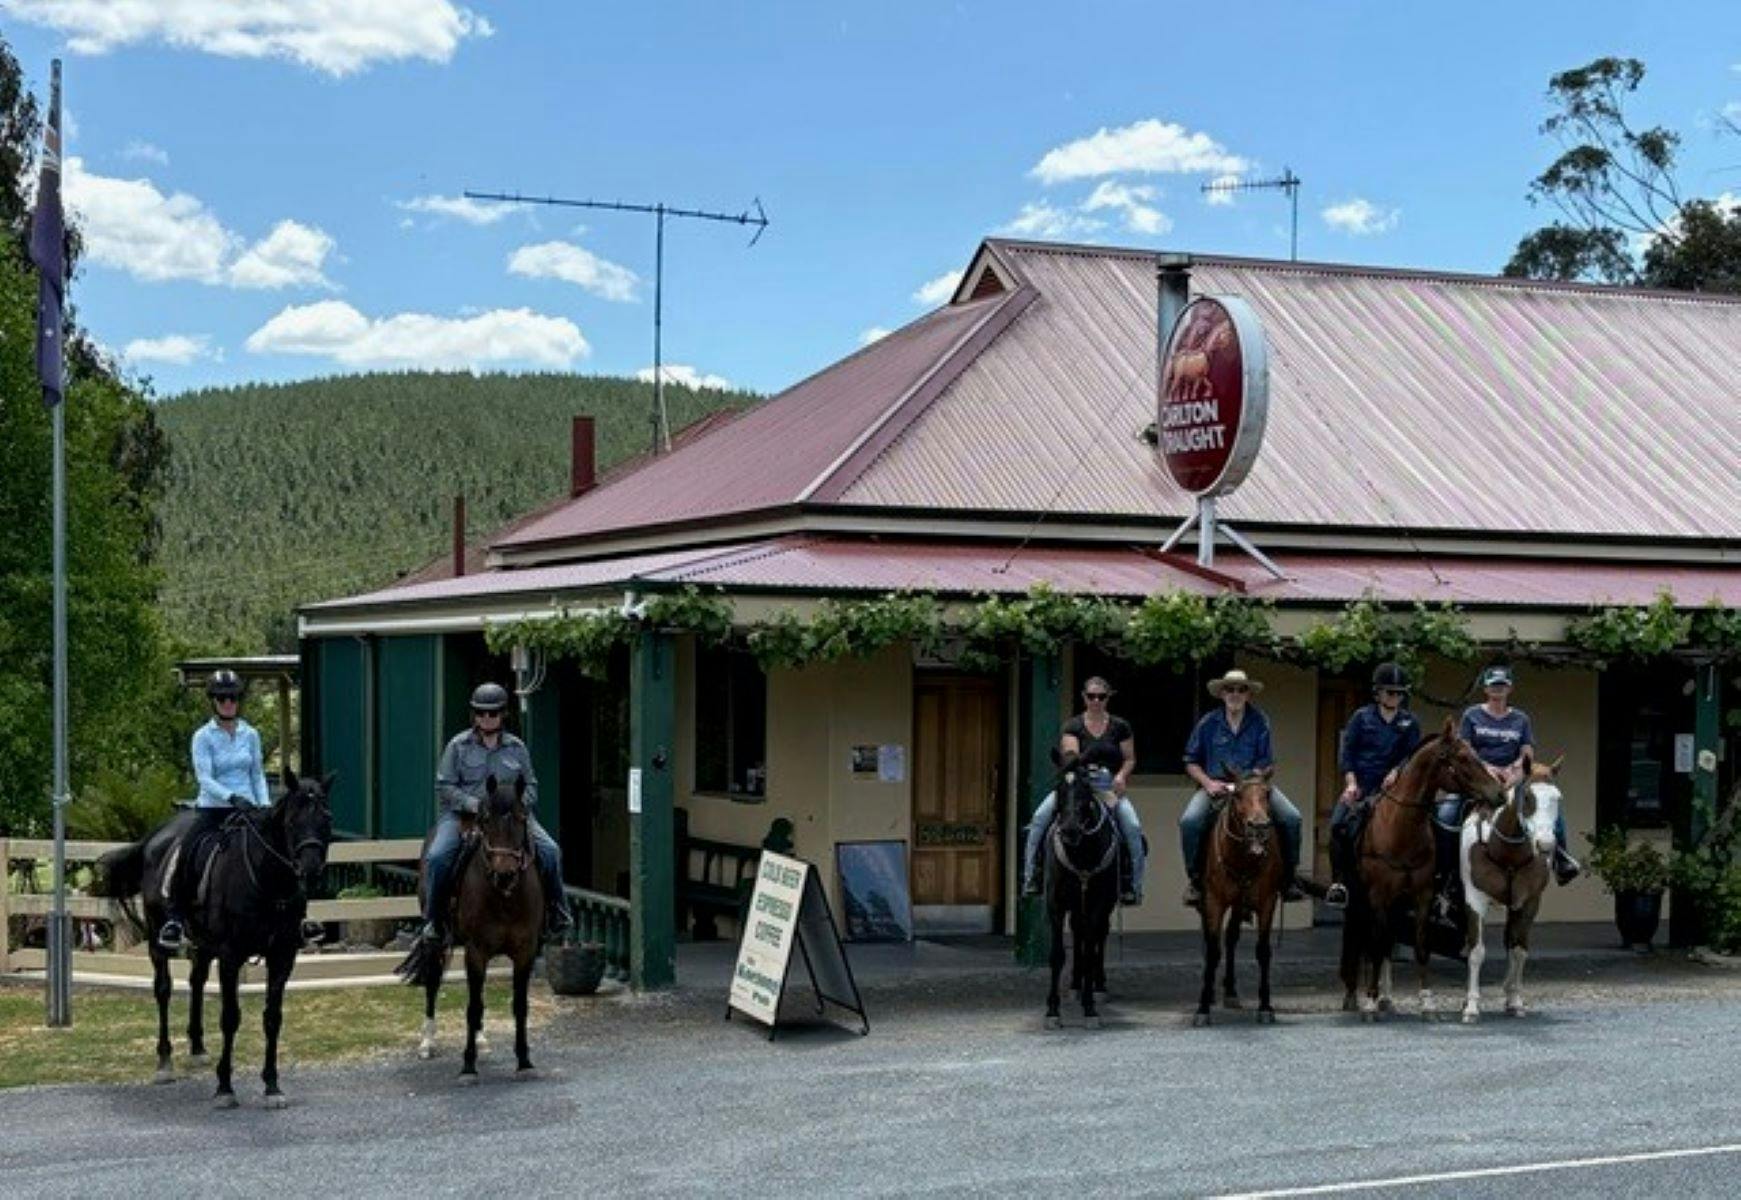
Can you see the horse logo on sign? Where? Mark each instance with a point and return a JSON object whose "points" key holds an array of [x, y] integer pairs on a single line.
{"points": [[1214, 395]]}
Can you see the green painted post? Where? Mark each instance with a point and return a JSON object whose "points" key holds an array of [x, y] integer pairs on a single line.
{"points": [[544, 741], [1707, 732], [652, 851], [1042, 683]]}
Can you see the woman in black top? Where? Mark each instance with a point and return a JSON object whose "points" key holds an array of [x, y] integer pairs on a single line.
{"points": [[1108, 748]]}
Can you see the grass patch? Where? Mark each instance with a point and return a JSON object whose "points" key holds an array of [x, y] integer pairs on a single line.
{"points": [[113, 1038]]}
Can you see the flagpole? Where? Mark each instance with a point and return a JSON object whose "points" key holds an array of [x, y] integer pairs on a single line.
{"points": [[60, 1002]]}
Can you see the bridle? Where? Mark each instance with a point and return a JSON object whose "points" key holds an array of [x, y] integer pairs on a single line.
{"points": [[505, 863], [287, 861], [1062, 854]]}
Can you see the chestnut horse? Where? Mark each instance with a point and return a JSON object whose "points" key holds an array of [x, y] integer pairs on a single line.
{"points": [[1242, 879], [1394, 875], [1505, 861]]}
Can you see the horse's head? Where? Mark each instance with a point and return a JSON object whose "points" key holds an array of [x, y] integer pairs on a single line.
{"points": [[304, 817], [1249, 804], [503, 821], [1456, 767], [1079, 810], [1537, 799]]}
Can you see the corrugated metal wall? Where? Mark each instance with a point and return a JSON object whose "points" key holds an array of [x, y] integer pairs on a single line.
{"points": [[339, 698], [407, 674]]}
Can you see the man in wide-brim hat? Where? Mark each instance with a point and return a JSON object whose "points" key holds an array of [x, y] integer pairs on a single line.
{"points": [[1234, 737]]}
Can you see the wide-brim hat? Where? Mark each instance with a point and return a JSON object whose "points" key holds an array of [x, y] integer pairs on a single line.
{"points": [[1218, 686]]}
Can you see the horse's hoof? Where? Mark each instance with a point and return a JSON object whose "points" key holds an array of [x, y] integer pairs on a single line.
{"points": [[526, 1072], [1471, 1017], [1231, 1002], [275, 1101], [1266, 1016], [1091, 1022], [165, 1074], [426, 1051], [1202, 1019], [468, 1079], [1518, 1011], [1054, 1023], [225, 1100], [1429, 1015], [1349, 1003], [1369, 1016], [483, 1045], [201, 1059], [1385, 1004]]}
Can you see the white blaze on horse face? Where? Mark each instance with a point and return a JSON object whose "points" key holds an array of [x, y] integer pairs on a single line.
{"points": [[1547, 812]]}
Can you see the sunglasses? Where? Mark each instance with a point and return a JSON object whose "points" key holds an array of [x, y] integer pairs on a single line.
{"points": [[228, 700], [1096, 695], [494, 713], [1235, 689], [1392, 692]]}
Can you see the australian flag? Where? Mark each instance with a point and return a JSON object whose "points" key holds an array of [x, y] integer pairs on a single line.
{"points": [[48, 252]]}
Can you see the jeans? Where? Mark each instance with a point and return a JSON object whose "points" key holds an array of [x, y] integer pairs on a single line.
{"points": [[1195, 821], [443, 852], [1128, 825]]}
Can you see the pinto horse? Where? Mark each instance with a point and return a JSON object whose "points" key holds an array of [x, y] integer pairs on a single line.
{"points": [[250, 904], [1505, 862], [1394, 875], [498, 910], [1242, 879], [1081, 884]]}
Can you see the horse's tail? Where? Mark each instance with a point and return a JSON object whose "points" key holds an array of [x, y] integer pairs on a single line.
{"points": [[120, 873], [426, 964]]}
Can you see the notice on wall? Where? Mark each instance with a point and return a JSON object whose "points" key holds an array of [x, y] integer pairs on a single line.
{"points": [[634, 789], [891, 763], [863, 762], [1683, 753], [787, 911]]}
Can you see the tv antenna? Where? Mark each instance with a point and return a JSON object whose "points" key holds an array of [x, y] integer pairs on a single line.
{"points": [[759, 219], [1287, 182]]}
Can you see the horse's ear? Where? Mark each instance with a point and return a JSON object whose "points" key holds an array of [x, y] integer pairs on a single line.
{"points": [[1526, 766], [1057, 758], [291, 782], [1449, 730], [1266, 773], [326, 782], [1554, 767], [1229, 774]]}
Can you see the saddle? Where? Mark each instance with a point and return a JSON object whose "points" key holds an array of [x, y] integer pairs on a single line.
{"points": [[193, 859]]}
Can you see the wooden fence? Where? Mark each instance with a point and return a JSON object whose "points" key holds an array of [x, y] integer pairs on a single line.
{"points": [[603, 919]]}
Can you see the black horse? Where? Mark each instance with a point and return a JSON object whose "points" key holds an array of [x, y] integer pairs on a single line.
{"points": [[251, 898], [1081, 884]]}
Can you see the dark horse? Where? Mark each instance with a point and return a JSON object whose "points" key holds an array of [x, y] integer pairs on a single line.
{"points": [[1242, 879], [250, 904], [1394, 876], [1082, 884], [498, 908]]}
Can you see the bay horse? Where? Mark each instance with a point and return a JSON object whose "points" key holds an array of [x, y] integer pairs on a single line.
{"points": [[250, 903], [1505, 861], [1394, 859], [1081, 884], [1242, 879], [498, 909]]}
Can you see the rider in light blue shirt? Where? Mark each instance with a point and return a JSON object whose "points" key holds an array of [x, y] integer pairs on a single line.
{"points": [[228, 763]]}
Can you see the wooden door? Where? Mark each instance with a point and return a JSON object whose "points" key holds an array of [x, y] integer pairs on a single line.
{"points": [[958, 747], [1337, 701]]}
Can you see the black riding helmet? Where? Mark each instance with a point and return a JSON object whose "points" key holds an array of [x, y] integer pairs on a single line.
{"points": [[489, 698], [223, 683], [1390, 675]]}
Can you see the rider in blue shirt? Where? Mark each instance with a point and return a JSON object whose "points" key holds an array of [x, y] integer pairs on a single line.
{"points": [[1234, 737], [1377, 741], [1501, 737]]}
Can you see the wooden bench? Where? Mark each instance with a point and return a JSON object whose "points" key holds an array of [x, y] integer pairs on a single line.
{"points": [[714, 879]]}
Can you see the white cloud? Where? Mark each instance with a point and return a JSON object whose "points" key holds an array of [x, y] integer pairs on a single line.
{"points": [[130, 225], [463, 208], [1732, 111], [325, 35], [175, 348], [1147, 147], [291, 255], [1042, 220], [1361, 217], [333, 329], [937, 291], [683, 376], [1221, 199], [1132, 202], [875, 333], [572, 264], [143, 151]]}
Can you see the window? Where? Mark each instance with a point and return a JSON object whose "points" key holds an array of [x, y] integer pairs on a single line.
{"points": [[731, 723], [1162, 705]]}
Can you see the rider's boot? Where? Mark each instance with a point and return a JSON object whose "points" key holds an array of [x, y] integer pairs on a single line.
{"points": [[1194, 891], [434, 931], [557, 920], [1031, 882], [1566, 867]]}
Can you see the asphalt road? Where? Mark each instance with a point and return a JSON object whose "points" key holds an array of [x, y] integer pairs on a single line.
{"points": [[958, 1090]]}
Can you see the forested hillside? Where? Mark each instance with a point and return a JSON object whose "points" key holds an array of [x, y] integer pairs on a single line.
{"points": [[282, 494]]}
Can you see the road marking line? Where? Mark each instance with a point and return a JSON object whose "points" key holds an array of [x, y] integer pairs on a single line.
{"points": [[1570, 1164]]}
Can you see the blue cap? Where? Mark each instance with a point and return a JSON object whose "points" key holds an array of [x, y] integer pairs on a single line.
{"points": [[1496, 677]]}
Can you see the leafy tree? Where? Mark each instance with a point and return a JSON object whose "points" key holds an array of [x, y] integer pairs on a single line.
{"points": [[122, 705], [1615, 187]]}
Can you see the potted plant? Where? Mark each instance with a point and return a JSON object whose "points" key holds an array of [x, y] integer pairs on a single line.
{"points": [[573, 967], [370, 931], [1636, 874]]}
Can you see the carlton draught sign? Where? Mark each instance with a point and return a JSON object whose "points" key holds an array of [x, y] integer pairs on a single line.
{"points": [[1214, 395]]}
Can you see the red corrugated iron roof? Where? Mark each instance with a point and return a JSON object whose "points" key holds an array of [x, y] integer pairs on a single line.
{"points": [[849, 565]]}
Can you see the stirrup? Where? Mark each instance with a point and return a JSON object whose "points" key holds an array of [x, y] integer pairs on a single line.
{"points": [[170, 935], [1031, 886], [1193, 895], [1292, 891], [432, 933], [1336, 895], [1566, 868], [1129, 898]]}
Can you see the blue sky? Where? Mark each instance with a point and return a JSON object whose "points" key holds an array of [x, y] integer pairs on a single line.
{"points": [[259, 198]]}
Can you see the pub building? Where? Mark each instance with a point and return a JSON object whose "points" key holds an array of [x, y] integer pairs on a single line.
{"points": [[1523, 451]]}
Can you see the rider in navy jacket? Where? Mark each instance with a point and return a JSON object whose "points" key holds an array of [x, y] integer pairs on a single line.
{"points": [[1377, 741]]}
